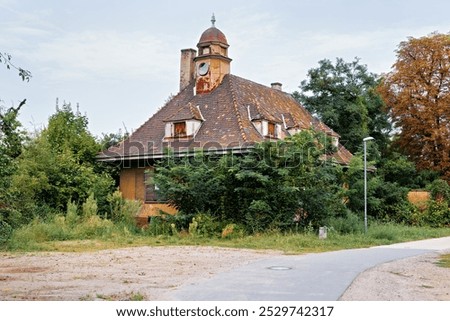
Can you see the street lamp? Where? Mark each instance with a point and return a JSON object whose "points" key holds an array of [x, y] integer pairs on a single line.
{"points": [[365, 140]]}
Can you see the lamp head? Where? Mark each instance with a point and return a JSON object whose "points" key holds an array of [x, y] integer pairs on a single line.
{"points": [[368, 138]]}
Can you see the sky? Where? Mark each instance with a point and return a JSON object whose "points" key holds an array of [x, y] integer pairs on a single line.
{"points": [[119, 60]]}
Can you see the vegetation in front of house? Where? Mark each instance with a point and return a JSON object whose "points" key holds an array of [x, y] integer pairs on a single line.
{"points": [[97, 233]]}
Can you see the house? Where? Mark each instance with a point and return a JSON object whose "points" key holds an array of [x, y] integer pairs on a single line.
{"points": [[214, 111]]}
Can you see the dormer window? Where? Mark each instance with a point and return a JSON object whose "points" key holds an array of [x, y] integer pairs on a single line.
{"points": [[272, 130], [182, 129], [179, 129]]}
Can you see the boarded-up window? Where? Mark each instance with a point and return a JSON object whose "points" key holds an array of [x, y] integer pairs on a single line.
{"points": [[179, 129], [271, 130], [150, 188]]}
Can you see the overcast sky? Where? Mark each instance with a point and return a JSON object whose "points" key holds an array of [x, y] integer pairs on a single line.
{"points": [[120, 59]]}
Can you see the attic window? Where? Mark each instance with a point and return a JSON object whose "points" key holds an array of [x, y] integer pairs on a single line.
{"points": [[271, 130], [179, 129]]}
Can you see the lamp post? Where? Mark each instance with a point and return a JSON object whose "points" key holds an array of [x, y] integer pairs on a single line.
{"points": [[365, 140]]}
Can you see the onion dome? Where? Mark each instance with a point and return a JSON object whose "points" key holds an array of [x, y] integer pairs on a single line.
{"points": [[213, 35]]}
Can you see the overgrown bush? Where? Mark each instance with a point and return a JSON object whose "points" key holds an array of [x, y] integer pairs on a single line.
{"points": [[261, 190], [437, 214], [348, 224], [439, 190], [232, 231], [162, 225], [5, 232], [204, 225], [123, 210], [384, 232], [90, 207]]}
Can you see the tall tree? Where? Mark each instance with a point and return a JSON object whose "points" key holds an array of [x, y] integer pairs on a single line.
{"points": [[11, 139], [417, 93], [59, 166], [343, 96]]}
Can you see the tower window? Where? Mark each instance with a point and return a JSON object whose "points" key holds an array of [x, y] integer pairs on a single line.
{"points": [[179, 129], [205, 51]]}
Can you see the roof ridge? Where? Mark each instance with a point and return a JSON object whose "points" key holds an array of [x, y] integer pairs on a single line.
{"points": [[238, 114]]}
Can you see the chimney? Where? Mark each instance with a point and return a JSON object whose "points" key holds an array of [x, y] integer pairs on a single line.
{"points": [[187, 67], [277, 86]]}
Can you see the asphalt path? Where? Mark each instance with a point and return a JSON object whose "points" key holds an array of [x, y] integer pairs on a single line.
{"points": [[310, 277]]}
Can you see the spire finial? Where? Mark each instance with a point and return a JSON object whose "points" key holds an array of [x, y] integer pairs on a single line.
{"points": [[213, 20]]}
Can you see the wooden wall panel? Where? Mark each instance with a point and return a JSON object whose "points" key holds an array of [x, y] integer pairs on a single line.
{"points": [[127, 183]]}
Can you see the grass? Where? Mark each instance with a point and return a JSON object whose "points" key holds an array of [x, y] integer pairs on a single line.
{"points": [[444, 261], [48, 237]]}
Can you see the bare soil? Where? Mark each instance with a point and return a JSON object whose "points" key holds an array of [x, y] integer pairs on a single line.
{"points": [[141, 273], [416, 278], [151, 273]]}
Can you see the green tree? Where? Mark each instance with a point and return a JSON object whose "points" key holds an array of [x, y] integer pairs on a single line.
{"points": [[387, 189], [67, 132], [274, 185], [343, 96], [59, 166], [11, 139]]}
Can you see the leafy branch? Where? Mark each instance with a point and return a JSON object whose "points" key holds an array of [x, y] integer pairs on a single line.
{"points": [[5, 58]]}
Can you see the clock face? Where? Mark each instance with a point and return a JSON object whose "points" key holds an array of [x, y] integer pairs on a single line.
{"points": [[203, 68]]}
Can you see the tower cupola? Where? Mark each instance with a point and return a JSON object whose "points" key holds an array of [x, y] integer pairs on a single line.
{"points": [[212, 62]]}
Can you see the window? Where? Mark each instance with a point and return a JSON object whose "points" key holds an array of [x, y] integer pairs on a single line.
{"points": [[151, 190], [179, 129], [271, 130]]}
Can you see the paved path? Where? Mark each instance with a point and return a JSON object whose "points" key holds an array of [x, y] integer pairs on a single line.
{"points": [[310, 277]]}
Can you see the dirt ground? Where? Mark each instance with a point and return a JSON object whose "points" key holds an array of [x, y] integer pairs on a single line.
{"points": [[416, 278], [151, 273]]}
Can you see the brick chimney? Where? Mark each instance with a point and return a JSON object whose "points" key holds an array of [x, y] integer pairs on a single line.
{"points": [[187, 67], [277, 86]]}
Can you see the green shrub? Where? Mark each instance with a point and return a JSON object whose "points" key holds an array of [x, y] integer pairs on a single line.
{"points": [[5, 232], [123, 210], [259, 216], [437, 214], [233, 231], [384, 232], [160, 225], [261, 190], [93, 226], [90, 207], [348, 224], [440, 190], [204, 225], [72, 214]]}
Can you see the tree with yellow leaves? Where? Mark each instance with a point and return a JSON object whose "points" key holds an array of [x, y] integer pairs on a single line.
{"points": [[417, 94]]}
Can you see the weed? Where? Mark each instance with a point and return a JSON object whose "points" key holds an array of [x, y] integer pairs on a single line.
{"points": [[137, 297], [444, 261], [94, 233]]}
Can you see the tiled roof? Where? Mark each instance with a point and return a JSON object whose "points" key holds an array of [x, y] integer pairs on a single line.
{"points": [[184, 113], [226, 114]]}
